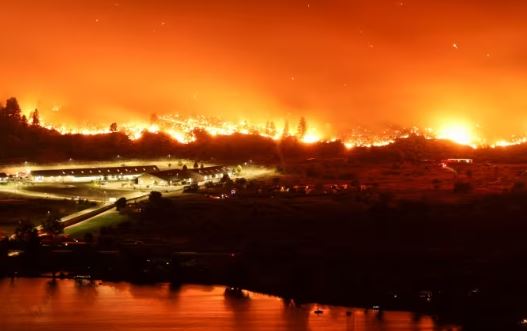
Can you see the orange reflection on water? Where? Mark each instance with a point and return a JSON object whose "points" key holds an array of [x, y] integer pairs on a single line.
{"points": [[40, 304]]}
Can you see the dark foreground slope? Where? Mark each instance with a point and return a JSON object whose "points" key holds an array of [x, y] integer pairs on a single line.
{"points": [[462, 262]]}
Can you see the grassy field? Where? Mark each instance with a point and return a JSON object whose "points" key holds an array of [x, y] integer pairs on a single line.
{"points": [[14, 208], [83, 191], [109, 218]]}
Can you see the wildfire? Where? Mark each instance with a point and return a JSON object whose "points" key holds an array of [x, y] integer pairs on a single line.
{"points": [[514, 141], [182, 130], [458, 132], [311, 137]]}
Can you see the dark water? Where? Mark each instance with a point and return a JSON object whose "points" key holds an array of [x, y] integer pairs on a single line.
{"points": [[40, 304]]}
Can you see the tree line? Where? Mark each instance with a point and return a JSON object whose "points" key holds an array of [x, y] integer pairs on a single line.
{"points": [[23, 139]]}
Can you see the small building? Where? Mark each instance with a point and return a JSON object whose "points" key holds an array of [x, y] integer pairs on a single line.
{"points": [[456, 162], [77, 175], [3, 177], [152, 179], [209, 173], [177, 176]]}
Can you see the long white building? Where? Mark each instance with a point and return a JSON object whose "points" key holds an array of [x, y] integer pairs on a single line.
{"points": [[78, 175]]}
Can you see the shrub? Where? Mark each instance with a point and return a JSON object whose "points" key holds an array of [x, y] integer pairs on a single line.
{"points": [[120, 204], [518, 187], [462, 187]]}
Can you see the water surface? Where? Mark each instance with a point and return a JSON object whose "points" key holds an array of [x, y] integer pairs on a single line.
{"points": [[41, 304]]}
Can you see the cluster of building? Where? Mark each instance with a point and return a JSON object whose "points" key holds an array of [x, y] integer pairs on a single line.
{"points": [[173, 176], [145, 175]]}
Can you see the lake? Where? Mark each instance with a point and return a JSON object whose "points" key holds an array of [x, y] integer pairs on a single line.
{"points": [[28, 304]]}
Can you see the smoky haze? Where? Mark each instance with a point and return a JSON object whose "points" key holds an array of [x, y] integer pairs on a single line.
{"points": [[338, 63]]}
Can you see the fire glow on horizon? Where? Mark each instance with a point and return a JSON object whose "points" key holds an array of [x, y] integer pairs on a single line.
{"points": [[181, 130], [340, 64]]}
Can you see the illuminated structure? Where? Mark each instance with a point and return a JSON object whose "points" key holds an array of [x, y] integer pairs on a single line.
{"points": [[458, 161], [77, 175], [171, 177], [453, 163]]}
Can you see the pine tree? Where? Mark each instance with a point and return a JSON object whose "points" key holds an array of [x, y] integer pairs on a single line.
{"points": [[285, 133], [35, 118], [302, 128], [12, 109], [272, 129]]}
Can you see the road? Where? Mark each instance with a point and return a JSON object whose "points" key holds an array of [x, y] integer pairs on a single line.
{"points": [[87, 215], [82, 217]]}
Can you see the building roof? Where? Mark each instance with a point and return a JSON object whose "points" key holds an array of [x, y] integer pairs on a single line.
{"points": [[177, 174], [209, 170], [172, 174], [89, 172]]}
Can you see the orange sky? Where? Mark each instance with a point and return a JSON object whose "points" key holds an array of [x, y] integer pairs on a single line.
{"points": [[339, 63]]}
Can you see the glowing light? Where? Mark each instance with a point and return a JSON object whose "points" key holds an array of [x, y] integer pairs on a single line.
{"points": [[179, 136], [154, 128], [349, 145], [460, 133], [181, 129], [311, 137], [512, 142]]}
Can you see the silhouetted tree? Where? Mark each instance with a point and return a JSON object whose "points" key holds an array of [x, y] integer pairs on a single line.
{"points": [[196, 165], [24, 230], [272, 129], [268, 128], [225, 178], [155, 197], [201, 135], [285, 133], [12, 109], [27, 234], [52, 225], [35, 118], [302, 128], [113, 127], [120, 203]]}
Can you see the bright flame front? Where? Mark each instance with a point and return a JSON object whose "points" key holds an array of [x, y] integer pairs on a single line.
{"points": [[460, 133]]}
